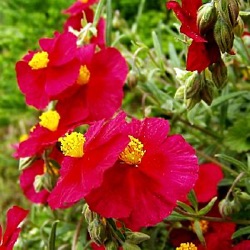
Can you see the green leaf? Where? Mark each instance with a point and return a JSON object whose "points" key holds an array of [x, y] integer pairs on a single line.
{"points": [[185, 207], [220, 100], [193, 199], [208, 207], [198, 231], [109, 22], [238, 136], [241, 231], [244, 13], [174, 216], [52, 236], [98, 12], [158, 49], [233, 161]]}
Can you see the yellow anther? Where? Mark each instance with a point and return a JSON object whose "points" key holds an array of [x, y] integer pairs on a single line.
{"points": [[50, 120], [72, 144], [84, 1], [84, 75], [23, 137], [39, 60], [133, 153], [203, 225], [187, 246]]}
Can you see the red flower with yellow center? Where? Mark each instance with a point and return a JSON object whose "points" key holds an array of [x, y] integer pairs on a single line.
{"points": [[52, 126], [15, 216], [42, 75], [87, 157], [203, 51], [98, 90], [152, 172]]}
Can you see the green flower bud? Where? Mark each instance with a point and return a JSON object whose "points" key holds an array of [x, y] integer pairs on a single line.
{"points": [[136, 237], [239, 27], [111, 245], [223, 35], [38, 183], [129, 246], [229, 9], [132, 79], [88, 214], [207, 92], [97, 231], [193, 85], [180, 93], [206, 17], [190, 103], [219, 74], [225, 208]]}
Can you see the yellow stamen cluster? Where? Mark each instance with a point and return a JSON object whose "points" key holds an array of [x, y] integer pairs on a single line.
{"points": [[72, 144], [133, 153], [187, 246], [39, 60], [50, 120], [84, 75], [84, 1], [203, 225]]}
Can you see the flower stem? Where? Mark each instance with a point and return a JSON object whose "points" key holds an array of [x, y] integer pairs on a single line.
{"points": [[76, 234]]}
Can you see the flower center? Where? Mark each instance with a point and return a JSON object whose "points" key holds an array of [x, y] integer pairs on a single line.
{"points": [[186, 246], [72, 144], [50, 120], [133, 153], [203, 225], [84, 1], [23, 137], [83, 77], [39, 60]]}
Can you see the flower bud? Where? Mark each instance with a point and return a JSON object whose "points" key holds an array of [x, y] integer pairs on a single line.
{"points": [[111, 245], [206, 17], [97, 231], [190, 103], [229, 9], [129, 246], [219, 74], [193, 85], [207, 92], [136, 237], [180, 93], [88, 214], [132, 79], [38, 183], [239, 27], [223, 35]]}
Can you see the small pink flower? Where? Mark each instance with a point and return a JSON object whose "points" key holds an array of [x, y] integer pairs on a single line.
{"points": [[15, 216]]}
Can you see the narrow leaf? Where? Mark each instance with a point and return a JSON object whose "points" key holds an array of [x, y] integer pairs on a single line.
{"points": [[241, 231], [185, 207], [52, 236]]}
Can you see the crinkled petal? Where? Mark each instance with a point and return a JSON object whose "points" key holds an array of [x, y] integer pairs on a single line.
{"points": [[243, 245], [108, 73], [167, 172], [78, 7]]}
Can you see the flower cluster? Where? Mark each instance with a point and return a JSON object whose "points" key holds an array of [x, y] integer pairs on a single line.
{"points": [[212, 27], [119, 166]]}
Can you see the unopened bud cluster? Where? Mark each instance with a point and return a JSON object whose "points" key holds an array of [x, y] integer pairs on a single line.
{"points": [[104, 232]]}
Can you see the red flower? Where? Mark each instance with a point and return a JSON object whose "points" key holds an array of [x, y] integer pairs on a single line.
{"points": [[15, 216], [151, 174], [244, 245], [38, 167], [44, 74], [98, 91], [217, 235], [87, 158], [203, 51], [46, 133], [210, 175]]}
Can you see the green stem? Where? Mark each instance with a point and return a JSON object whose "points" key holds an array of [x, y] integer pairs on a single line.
{"points": [[76, 234], [208, 218], [211, 159]]}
